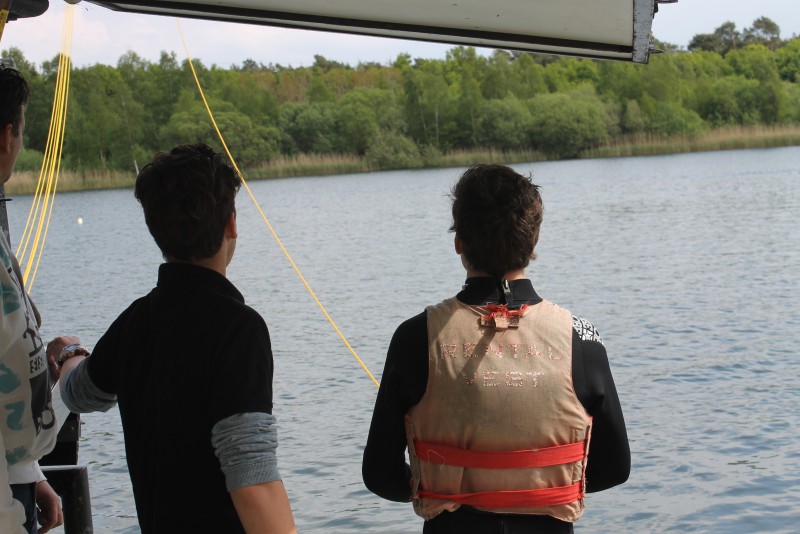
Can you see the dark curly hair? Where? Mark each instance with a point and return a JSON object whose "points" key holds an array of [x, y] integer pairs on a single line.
{"points": [[497, 214], [14, 94], [188, 196]]}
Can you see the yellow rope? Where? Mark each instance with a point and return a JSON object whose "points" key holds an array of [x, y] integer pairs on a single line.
{"points": [[62, 120], [41, 183], [44, 197], [264, 217]]}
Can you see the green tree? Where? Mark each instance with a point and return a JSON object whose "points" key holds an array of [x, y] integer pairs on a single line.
{"points": [[764, 31], [505, 124], [392, 150], [527, 77], [104, 120], [318, 90], [429, 105], [620, 81], [246, 90], [250, 143], [309, 128], [325, 65], [787, 59], [793, 103], [669, 118], [498, 80], [724, 39], [662, 79], [564, 124], [756, 62], [633, 120], [361, 114], [728, 101], [465, 68], [29, 160]]}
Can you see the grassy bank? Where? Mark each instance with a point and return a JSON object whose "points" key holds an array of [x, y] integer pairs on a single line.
{"points": [[318, 165], [25, 182], [730, 138]]}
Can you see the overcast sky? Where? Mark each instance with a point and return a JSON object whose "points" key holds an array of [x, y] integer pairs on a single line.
{"points": [[102, 36]]}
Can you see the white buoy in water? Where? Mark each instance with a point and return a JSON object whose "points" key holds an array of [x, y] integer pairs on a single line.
{"points": [[80, 220]]}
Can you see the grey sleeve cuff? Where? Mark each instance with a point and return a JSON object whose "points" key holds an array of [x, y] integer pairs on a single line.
{"points": [[80, 394], [245, 444]]}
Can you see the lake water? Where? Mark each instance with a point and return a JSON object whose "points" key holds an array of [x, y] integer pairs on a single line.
{"points": [[688, 266]]}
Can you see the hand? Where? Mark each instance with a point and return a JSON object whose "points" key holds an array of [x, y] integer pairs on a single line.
{"points": [[53, 352], [50, 514]]}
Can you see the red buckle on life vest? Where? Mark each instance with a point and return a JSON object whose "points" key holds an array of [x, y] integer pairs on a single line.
{"points": [[501, 318]]}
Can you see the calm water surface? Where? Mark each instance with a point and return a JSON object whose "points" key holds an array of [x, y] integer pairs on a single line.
{"points": [[688, 265]]}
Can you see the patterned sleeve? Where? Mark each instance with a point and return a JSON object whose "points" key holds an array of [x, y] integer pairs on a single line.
{"points": [[586, 331]]}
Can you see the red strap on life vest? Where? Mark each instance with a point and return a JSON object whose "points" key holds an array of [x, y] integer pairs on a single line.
{"points": [[446, 455], [514, 499]]}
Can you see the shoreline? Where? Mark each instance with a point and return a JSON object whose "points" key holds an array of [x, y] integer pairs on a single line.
{"points": [[737, 138]]}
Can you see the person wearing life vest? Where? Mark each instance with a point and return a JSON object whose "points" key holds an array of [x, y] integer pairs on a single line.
{"points": [[504, 401]]}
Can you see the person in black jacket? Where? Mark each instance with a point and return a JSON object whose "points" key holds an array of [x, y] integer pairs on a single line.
{"points": [[190, 365], [496, 218]]}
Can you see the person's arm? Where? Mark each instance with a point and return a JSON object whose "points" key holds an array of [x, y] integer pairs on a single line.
{"points": [[405, 376], [50, 514], [264, 508], [609, 452], [246, 445], [78, 390]]}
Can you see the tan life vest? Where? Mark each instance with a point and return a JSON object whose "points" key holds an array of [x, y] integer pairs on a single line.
{"points": [[499, 427]]}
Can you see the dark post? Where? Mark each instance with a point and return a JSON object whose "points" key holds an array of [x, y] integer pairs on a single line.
{"points": [[71, 482]]}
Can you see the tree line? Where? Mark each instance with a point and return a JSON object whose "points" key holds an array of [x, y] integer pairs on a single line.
{"points": [[398, 114]]}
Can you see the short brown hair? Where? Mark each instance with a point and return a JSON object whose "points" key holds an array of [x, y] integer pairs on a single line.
{"points": [[188, 196], [14, 94], [497, 214]]}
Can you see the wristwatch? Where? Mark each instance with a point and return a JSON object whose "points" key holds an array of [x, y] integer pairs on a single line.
{"points": [[71, 350]]}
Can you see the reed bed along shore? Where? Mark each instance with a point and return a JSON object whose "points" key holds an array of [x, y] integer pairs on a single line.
{"points": [[730, 138]]}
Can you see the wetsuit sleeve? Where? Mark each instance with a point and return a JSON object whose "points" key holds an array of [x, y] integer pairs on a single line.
{"points": [[405, 377], [609, 453]]}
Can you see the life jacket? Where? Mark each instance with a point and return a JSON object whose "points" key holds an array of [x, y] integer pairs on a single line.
{"points": [[499, 427]]}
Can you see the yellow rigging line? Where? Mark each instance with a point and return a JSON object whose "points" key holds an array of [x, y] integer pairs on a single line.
{"points": [[44, 197], [62, 118], [264, 217]]}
